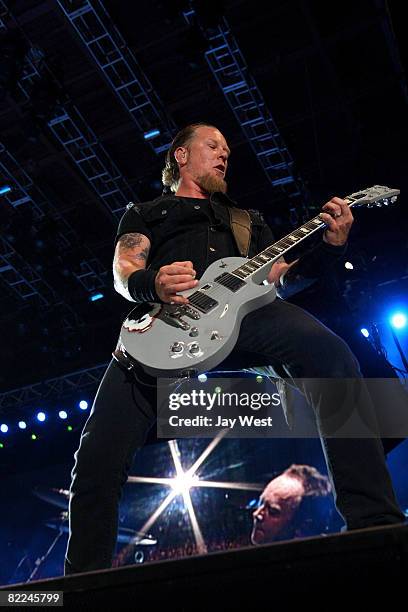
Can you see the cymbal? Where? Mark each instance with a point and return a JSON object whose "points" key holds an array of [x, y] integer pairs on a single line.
{"points": [[56, 497], [125, 535], [136, 537]]}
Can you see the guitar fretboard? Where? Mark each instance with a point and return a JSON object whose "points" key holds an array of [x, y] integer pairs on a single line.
{"points": [[282, 246], [279, 248]]}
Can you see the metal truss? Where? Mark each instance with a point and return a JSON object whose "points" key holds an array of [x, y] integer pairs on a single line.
{"points": [[79, 141], [53, 388], [24, 281], [230, 70], [21, 277], [92, 160], [91, 274], [121, 70]]}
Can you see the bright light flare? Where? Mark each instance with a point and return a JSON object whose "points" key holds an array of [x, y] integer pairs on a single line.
{"points": [[398, 320]]}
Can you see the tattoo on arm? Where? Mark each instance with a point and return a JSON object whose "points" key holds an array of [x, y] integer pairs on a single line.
{"points": [[129, 241], [135, 247], [143, 254], [132, 251]]}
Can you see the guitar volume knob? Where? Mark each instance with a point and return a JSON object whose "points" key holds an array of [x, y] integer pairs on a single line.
{"points": [[176, 347]]}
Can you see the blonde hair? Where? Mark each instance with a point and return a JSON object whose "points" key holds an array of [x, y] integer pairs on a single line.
{"points": [[171, 171]]}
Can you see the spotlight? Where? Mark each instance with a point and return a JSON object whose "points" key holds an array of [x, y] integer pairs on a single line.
{"points": [[62, 414], [252, 504], [4, 428], [33, 437], [202, 377], [183, 482], [365, 332], [398, 320], [22, 425], [259, 378], [151, 134], [83, 405], [41, 416], [5, 189], [349, 265], [96, 296]]}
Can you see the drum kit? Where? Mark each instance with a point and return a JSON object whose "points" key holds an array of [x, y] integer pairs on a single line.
{"points": [[60, 499]]}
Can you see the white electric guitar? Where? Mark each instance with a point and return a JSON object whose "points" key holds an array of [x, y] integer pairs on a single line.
{"points": [[184, 340]]}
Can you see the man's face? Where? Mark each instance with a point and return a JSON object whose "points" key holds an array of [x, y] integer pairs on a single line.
{"points": [[279, 502], [205, 159]]}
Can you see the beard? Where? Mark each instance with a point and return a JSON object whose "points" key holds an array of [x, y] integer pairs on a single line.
{"points": [[211, 183]]}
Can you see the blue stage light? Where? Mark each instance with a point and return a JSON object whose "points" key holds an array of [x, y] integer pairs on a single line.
{"points": [[83, 405], [4, 428], [151, 134], [252, 504], [96, 296], [365, 332], [41, 416], [62, 414], [5, 189], [398, 320], [22, 425]]}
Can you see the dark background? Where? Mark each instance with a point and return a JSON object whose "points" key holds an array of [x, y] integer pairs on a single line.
{"points": [[333, 77]]}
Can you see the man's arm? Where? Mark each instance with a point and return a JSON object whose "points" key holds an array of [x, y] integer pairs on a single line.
{"points": [[131, 253]]}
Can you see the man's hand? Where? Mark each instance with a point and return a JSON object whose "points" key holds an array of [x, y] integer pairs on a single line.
{"points": [[278, 268], [338, 219], [176, 277]]}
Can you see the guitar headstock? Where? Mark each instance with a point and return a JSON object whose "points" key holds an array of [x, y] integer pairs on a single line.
{"points": [[378, 195]]}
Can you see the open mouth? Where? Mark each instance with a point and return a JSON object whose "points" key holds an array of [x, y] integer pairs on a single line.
{"points": [[258, 533], [221, 169]]}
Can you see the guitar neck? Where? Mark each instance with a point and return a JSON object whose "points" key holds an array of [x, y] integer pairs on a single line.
{"points": [[282, 246]]}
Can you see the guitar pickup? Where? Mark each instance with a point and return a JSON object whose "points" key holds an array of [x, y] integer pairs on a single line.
{"points": [[202, 302]]}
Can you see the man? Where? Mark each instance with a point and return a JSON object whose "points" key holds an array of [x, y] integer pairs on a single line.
{"points": [[162, 247], [281, 514]]}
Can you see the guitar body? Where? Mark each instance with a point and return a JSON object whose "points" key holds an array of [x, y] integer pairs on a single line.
{"points": [[184, 340], [173, 340]]}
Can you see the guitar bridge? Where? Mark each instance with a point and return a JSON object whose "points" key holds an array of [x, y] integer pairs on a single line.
{"points": [[174, 318]]}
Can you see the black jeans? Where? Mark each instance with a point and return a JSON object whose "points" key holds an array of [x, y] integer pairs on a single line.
{"points": [[279, 334]]}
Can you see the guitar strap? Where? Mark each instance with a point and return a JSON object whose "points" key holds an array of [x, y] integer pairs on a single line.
{"points": [[240, 222]]}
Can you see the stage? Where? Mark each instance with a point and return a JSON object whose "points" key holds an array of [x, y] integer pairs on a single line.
{"points": [[370, 562]]}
